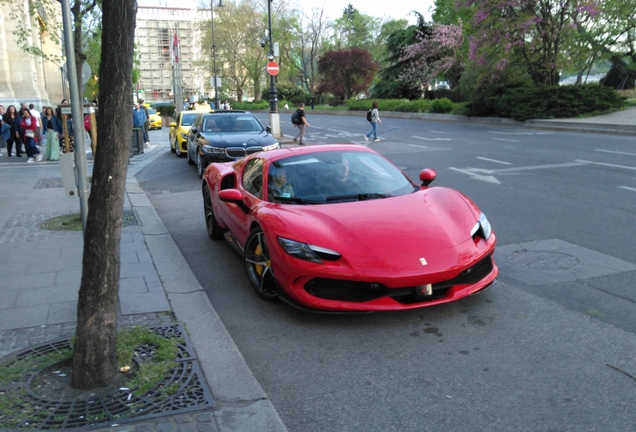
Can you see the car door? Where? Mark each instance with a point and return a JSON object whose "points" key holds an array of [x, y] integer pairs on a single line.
{"points": [[251, 184]]}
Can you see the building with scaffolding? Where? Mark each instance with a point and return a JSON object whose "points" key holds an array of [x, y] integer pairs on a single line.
{"points": [[167, 43]]}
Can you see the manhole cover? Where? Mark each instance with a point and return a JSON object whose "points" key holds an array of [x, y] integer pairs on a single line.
{"points": [[542, 260]]}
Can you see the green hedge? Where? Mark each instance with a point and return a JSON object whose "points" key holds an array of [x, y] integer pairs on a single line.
{"points": [[521, 102]]}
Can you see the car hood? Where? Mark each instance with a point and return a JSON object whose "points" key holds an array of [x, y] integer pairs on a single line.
{"points": [[234, 139], [428, 224]]}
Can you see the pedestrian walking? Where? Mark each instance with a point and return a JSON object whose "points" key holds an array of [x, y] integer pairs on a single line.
{"points": [[35, 114], [29, 125], [300, 124], [52, 128], [375, 118]]}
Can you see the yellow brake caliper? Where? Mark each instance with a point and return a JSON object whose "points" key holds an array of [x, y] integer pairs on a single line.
{"points": [[259, 267]]}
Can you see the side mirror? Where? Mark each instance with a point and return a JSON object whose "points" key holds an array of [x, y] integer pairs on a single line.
{"points": [[173, 125], [231, 195], [268, 129], [194, 130], [427, 176]]}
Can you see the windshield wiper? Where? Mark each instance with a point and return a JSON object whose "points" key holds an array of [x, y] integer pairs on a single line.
{"points": [[359, 197], [296, 200]]}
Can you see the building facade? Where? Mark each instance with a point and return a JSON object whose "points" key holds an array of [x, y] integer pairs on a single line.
{"points": [[25, 78], [160, 60]]}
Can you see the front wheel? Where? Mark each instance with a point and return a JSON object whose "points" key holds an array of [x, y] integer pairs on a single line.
{"points": [[200, 165], [214, 229], [259, 266]]}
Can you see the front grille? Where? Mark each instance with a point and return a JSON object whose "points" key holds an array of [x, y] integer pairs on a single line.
{"points": [[240, 152], [352, 291]]}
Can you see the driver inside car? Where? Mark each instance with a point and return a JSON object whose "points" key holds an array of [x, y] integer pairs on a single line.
{"points": [[278, 185], [336, 180]]}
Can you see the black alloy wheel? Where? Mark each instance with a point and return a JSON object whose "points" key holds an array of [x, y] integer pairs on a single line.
{"points": [[259, 266], [214, 229]]}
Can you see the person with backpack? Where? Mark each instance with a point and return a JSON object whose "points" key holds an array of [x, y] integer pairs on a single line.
{"points": [[300, 121], [373, 116]]}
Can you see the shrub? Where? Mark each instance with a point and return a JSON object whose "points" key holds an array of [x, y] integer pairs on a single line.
{"points": [[441, 106], [523, 102]]}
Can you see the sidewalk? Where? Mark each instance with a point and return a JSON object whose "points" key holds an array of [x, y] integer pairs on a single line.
{"points": [[41, 273]]}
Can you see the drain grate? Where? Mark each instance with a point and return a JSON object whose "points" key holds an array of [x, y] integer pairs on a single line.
{"points": [[23, 409], [130, 219]]}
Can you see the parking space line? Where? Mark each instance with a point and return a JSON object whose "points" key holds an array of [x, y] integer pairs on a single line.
{"points": [[627, 188], [493, 160]]}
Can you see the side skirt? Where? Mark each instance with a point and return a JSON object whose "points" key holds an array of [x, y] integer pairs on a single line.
{"points": [[234, 243]]}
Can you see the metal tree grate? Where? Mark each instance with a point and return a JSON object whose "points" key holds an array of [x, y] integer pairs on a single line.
{"points": [[25, 410]]}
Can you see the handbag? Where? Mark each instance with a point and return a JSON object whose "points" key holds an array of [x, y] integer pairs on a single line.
{"points": [[29, 133]]}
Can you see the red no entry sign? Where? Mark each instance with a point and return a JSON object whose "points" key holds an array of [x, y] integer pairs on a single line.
{"points": [[272, 68]]}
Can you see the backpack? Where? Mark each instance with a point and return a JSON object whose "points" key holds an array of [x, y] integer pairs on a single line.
{"points": [[294, 118], [369, 115]]}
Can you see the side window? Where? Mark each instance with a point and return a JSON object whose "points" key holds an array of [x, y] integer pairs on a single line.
{"points": [[253, 177]]}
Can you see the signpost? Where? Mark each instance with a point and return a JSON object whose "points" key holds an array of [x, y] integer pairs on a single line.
{"points": [[272, 68]]}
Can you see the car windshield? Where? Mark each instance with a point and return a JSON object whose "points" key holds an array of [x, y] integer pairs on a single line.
{"points": [[335, 176], [231, 123], [151, 111], [188, 118]]}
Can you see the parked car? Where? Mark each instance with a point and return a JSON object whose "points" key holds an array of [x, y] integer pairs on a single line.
{"points": [[340, 228], [223, 136], [178, 133], [155, 119]]}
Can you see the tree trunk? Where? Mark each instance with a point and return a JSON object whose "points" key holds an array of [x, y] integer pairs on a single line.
{"points": [[94, 358]]}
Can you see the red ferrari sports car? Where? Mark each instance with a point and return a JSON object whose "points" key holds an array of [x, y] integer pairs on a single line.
{"points": [[340, 228]]}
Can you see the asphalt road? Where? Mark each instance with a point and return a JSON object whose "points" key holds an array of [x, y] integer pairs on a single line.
{"points": [[550, 347]]}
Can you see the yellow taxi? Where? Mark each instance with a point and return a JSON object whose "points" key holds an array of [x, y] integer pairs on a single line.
{"points": [[155, 119], [178, 132]]}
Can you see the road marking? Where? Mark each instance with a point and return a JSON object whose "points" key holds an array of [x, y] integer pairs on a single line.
{"points": [[505, 139], [608, 165], [431, 139], [486, 174], [439, 132], [472, 173], [521, 133], [418, 146], [627, 188], [494, 160], [339, 131], [615, 152]]}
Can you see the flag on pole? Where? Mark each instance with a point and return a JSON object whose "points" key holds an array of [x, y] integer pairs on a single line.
{"points": [[175, 48]]}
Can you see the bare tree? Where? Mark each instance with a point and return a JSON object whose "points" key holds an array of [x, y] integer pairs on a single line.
{"points": [[309, 46], [94, 358]]}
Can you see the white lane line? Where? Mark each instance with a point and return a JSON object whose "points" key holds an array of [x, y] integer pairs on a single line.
{"points": [[418, 146], [615, 152], [521, 133], [493, 160], [439, 132], [627, 188], [431, 139], [505, 139], [607, 165]]}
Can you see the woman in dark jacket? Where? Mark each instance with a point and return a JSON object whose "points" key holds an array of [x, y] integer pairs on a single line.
{"points": [[10, 118]]}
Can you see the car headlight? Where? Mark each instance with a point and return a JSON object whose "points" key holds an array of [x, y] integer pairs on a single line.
{"points": [[184, 136], [307, 252], [272, 147], [208, 149], [482, 227]]}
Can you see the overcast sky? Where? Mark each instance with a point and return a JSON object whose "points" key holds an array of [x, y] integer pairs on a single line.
{"points": [[397, 9]]}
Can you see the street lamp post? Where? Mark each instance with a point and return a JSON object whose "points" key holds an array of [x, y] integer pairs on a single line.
{"points": [[216, 93], [274, 116]]}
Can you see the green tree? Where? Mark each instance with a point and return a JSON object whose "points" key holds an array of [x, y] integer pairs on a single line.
{"points": [[94, 357]]}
